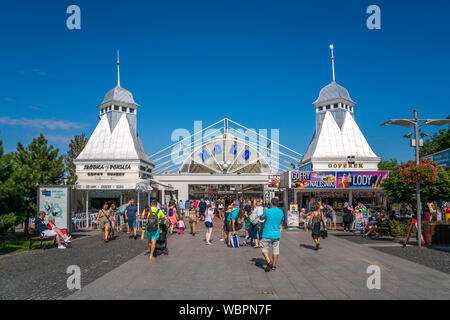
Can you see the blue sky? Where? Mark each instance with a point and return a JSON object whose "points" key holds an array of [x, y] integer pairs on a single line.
{"points": [[260, 63]]}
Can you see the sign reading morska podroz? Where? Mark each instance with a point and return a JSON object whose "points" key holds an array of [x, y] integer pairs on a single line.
{"points": [[107, 167]]}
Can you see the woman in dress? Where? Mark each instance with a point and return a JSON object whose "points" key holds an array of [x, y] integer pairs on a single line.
{"points": [[221, 209], [112, 219], [103, 217], [317, 221], [172, 216], [193, 218]]}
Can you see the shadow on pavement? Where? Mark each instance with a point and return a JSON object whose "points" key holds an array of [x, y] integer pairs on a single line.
{"points": [[259, 262], [307, 246]]}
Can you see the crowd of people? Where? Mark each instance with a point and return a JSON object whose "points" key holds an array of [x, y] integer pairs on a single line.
{"points": [[260, 224]]}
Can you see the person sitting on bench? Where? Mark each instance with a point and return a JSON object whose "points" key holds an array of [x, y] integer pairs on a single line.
{"points": [[40, 225]]}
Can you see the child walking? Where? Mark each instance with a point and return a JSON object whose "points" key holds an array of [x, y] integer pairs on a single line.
{"points": [[181, 226]]}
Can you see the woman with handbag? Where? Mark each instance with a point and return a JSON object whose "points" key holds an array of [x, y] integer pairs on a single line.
{"points": [[317, 221], [105, 224]]}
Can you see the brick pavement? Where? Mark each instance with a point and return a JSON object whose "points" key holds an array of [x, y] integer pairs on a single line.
{"points": [[194, 271]]}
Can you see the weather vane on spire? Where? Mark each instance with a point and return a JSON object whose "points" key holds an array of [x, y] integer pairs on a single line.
{"points": [[332, 61], [118, 69]]}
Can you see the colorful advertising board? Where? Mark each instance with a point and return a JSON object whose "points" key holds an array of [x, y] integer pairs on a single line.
{"points": [[293, 216], [360, 180], [333, 179], [55, 202], [313, 180]]}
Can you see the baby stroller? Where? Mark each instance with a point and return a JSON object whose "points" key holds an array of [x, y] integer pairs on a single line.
{"points": [[161, 243]]}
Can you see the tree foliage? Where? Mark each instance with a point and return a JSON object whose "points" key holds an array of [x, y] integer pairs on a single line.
{"points": [[388, 165], [76, 145], [402, 192], [440, 141], [36, 164]]}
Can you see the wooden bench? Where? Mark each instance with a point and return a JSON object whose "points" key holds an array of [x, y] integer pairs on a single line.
{"points": [[383, 228], [34, 235]]}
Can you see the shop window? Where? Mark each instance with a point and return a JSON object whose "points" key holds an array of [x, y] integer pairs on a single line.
{"points": [[131, 110], [116, 108], [320, 108], [328, 107], [124, 109]]}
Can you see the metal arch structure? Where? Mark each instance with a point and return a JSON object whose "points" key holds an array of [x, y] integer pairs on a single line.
{"points": [[225, 147]]}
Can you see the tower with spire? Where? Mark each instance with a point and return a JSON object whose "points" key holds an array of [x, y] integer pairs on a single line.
{"points": [[115, 140], [337, 137]]}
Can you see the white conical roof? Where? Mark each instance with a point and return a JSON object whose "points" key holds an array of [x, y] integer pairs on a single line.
{"points": [[354, 141], [330, 141], [120, 144]]}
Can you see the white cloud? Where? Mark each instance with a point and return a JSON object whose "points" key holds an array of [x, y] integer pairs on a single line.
{"points": [[51, 124], [58, 138]]}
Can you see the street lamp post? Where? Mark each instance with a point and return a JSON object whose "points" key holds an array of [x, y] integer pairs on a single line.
{"points": [[416, 142]]}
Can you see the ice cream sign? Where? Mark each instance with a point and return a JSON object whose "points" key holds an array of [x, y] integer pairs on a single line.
{"points": [[369, 179]]}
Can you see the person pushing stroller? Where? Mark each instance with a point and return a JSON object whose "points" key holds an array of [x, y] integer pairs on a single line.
{"points": [[152, 227]]}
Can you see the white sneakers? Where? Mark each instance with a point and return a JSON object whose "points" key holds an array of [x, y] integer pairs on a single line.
{"points": [[67, 240], [61, 247]]}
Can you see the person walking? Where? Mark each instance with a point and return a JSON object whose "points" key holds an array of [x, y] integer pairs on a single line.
{"points": [[105, 224], [331, 214], [181, 225], [112, 219], [347, 217], [248, 230], [172, 216], [271, 234], [131, 216], [221, 208], [202, 209], [152, 227], [255, 220], [181, 207], [225, 226], [187, 207], [209, 217], [318, 223], [193, 217]]}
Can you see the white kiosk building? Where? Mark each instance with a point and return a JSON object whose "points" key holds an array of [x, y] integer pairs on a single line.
{"points": [[114, 166]]}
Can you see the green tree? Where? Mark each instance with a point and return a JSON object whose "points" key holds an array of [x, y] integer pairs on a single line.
{"points": [[388, 165], [440, 141], [402, 192], [36, 164], [76, 145], [9, 197]]}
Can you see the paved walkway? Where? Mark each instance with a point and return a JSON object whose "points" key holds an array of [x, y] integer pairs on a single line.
{"points": [[194, 270]]}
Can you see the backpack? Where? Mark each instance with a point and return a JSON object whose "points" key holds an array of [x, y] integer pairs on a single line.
{"points": [[170, 212], [254, 219], [123, 208], [152, 221]]}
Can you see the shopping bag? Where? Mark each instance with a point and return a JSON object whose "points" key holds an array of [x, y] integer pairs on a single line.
{"points": [[235, 241]]}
